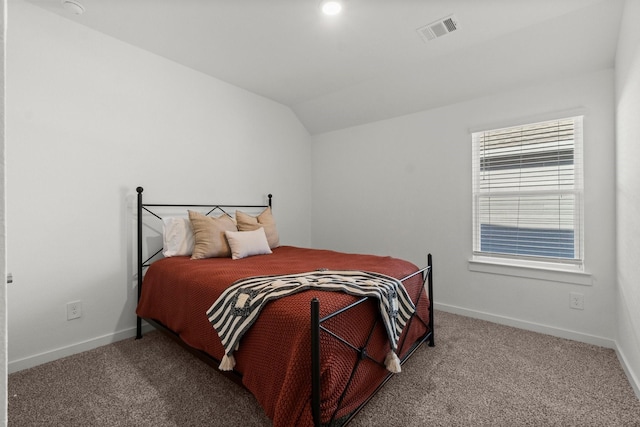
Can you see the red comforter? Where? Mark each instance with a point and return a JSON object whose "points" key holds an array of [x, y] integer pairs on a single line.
{"points": [[274, 355]]}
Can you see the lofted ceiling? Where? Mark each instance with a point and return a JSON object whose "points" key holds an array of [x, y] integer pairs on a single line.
{"points": [[368, 63]]}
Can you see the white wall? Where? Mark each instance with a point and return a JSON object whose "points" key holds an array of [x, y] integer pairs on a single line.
{"points": [[3, 235], [628, 190], [89, 118], [403, 187]]}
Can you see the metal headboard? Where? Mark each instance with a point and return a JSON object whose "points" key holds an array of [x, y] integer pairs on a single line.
{"points": [[153, 208]]}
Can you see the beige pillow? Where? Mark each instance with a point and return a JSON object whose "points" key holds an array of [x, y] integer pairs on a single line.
{"points": [[210, 241], [247, 243], [265, 220]]}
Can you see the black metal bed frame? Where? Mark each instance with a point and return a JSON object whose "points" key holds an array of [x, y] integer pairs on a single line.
{"points": [[316, 322]]}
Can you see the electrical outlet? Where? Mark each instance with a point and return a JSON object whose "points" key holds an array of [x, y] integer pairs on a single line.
{"points": [[577, 301], [74, 310]]}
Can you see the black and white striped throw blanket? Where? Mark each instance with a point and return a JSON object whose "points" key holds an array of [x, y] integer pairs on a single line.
{"points": [[238, 307]]}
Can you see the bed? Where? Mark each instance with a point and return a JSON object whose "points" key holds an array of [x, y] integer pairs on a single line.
{"points": [[314, 357]]}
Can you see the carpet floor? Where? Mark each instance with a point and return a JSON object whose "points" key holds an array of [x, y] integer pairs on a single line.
{"points": [[478, 374]]}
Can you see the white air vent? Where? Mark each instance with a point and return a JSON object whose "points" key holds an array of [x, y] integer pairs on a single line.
{"points": [[439, 28]]}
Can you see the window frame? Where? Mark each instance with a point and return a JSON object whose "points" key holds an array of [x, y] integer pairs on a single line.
{"points": [[512, 264]]}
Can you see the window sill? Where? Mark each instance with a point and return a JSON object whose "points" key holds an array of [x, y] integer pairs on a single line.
{"points": [[542, 272]]}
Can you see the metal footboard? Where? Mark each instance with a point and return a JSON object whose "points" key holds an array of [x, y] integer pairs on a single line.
{"points": [[317, 327]]}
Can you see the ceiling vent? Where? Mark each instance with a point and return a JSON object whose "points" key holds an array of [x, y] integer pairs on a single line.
{"points": [[438, 28]]}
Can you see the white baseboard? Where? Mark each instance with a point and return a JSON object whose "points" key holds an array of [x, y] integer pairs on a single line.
{"points": [[633, 380], [50, 356], [529, 326], [549, 330]]}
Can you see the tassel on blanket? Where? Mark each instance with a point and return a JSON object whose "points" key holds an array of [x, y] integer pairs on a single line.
{"points": [[227, 363], [392, 362]]}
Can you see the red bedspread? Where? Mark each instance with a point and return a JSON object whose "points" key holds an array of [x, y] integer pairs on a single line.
{"points": [[274, 355]]}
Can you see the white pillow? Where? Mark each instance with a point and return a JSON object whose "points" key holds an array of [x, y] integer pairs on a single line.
{"points": [[177, 237], [248, 243]]}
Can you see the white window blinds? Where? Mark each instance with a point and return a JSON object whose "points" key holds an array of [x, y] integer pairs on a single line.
{"points": [[527, 191]]}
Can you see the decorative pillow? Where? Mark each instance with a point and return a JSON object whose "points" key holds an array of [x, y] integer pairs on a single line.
{"points": [[265, 219], [210, 241], [247, 243], [177, 237]]}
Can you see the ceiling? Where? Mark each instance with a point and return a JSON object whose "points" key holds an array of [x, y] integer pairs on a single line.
{"points": [[368, 63]]}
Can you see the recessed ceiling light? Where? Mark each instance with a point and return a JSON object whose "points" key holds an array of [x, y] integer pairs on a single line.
{"points": [[331, 7], [73, 7]]}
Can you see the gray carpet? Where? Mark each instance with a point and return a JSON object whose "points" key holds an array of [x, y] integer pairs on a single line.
{"points": [[479, 374]]}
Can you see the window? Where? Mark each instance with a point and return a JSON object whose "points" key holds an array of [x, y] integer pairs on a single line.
{"points": [[527, 192]]}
